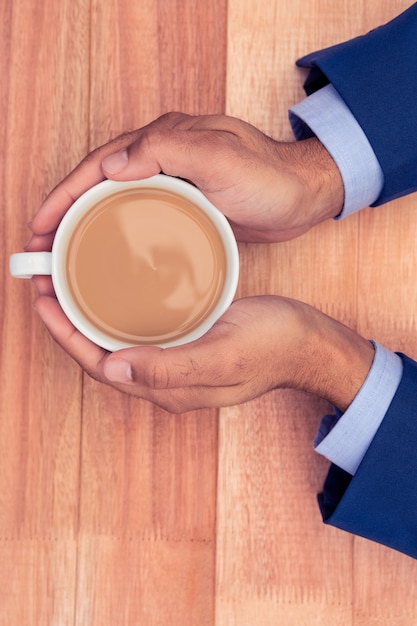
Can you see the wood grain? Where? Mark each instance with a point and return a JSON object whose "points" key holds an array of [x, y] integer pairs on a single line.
{"points": [[148, 506], [111, 510], [44, 134], [298, 572]]}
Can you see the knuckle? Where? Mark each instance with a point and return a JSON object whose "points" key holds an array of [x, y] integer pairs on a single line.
{"points": [[158, 377], [94, 375], [155, 134], [151, 139], [172, 118], [122, 140], [178, 403], [175, 407], [167, 401], [169, 116], [162, 124]]}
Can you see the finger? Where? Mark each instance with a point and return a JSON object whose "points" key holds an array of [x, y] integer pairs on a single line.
{"points": [[43, 286], [164, 145], [90, 172], [175, 144], [40, 242], [87, 174], [63, 196], [91, 358], [189, 398], [205, 362], [149, 151], [86, 353]]}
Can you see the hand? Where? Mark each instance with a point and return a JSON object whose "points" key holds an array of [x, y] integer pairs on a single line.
{"points": [[270, 191], [259, 344]]}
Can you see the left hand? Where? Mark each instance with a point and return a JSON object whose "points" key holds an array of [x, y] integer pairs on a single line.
{"points": [[269, 190]]}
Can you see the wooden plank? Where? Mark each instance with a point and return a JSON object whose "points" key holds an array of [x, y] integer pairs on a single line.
{"points": [[147, 516], [147, 543], [147, 523], [155, 57], [38, 580], [124, 84], [276, 562], [274, 566], [41, 388]]}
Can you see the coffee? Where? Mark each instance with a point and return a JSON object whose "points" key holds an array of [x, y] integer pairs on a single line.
{"points": [[145, 266]]}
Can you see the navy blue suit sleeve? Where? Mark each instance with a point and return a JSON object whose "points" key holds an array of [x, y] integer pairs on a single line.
{"points": [[376, 75], [380, 501]]}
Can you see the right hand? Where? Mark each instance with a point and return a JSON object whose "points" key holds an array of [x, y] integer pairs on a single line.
{"points": [[270, 191], [259, 344]]}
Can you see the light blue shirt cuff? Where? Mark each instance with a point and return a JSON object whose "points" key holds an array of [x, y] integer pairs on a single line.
{"points": [[344, 438], [325, 115]]}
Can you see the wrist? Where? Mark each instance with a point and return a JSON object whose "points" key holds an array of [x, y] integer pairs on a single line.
{"points": [[336, 360], [323, 184], [308, 187]]}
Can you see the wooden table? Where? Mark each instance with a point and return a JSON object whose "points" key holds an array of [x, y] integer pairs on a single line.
{"points": [[113, 512]]}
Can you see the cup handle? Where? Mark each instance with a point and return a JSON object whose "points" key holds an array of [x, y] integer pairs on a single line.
{"points": [[28, 264]]}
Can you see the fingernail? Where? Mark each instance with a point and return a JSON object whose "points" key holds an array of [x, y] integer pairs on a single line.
{"points": [[114, 163], [118, 371], [35, 287]]}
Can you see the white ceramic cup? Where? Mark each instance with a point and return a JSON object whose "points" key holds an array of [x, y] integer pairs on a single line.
{"points": [[28, 264]]}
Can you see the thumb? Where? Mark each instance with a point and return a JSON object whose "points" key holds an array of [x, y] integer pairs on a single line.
{"points": [[115, 163], [152, 367], [142, 161], [170, 368], [169, 144]]}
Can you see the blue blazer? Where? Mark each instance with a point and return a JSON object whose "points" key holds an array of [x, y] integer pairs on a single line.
{"points": [[376, 75]]}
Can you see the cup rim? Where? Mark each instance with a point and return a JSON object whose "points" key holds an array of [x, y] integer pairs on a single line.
{"points": [[107, 187]]}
